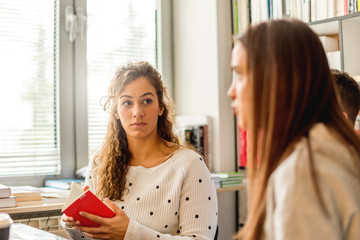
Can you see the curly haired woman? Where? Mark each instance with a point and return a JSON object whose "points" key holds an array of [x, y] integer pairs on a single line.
{"points": [[157, 188]]}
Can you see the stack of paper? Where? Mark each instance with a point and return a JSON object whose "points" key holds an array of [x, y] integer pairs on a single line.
{"points": [[6, 200], [27, 195]]}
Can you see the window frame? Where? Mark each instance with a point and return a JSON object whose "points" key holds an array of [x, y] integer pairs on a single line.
{"points": [[72, 93]]}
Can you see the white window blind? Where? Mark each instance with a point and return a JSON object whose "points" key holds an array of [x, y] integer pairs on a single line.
{"points": [[118, 32], [29, 127]]}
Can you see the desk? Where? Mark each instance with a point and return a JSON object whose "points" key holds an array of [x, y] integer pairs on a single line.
{"points": [[45, 217], [44, 210], [19, 231]]}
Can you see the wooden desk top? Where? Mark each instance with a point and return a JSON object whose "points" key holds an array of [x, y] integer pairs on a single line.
{"points": [[36, 208]]}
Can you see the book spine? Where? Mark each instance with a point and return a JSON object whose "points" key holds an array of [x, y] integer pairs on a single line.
{"points": [[236, 17], [339, 8], [243, 13], [243, 148], [356, 5], [350, 6], [346, 10]]}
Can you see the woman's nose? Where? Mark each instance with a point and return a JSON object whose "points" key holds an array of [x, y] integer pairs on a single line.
{"points": [[231, 91], [138, 111]]}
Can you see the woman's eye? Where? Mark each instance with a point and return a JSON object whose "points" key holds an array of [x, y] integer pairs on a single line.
{"points": [[126, 103], [147, 101], [238, 75]]}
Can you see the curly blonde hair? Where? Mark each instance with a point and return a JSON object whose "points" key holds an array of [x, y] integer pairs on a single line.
{"points": [[112, 163]]}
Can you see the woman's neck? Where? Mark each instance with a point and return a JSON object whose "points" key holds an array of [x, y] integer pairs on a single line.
{"points": [[148, 153]]}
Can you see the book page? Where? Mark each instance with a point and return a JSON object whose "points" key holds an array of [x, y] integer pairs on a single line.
{"points": [[75, 192]]}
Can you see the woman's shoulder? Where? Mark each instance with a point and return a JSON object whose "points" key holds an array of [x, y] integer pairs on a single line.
{"points": [[323, 154], [188, 153], [187, 158]]}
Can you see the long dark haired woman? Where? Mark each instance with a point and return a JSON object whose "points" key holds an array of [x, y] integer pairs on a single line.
{"points": [[304, 156]]}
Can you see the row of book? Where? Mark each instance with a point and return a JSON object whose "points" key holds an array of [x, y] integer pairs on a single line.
{"points": [[195, 131], [228, 179], [19, 196], [255, 11]]}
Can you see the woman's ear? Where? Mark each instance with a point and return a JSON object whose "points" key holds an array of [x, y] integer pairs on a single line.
{"points": [[161, 110], [116, 116]]}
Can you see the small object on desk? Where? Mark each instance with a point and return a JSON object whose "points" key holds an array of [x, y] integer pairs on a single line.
{"points": [[87, 202], [5, 223], [5, 191], [7, 202], [21, 231], [62, 183], [54, 195], [25, 191]]}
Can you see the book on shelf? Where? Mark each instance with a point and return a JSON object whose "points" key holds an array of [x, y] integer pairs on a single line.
{"points": [[226, 175], [228, 179], [87, 202], [5, 191], [334, 60], [25, 191], [241, 146], [240, 15], [305, 10], [195, 132], [330, 43], [62, 183], [7, 202]]}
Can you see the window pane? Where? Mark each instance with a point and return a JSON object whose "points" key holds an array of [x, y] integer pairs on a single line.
{"points": [[29, 131], [118, 32]]}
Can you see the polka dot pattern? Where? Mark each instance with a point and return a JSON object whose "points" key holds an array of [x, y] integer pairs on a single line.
{"points": [[174, 199]]}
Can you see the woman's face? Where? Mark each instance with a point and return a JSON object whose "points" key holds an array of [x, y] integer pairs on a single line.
{"points": [[138, 109], [238, 89]]}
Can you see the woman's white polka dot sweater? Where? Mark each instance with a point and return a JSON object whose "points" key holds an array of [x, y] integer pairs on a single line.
{"points": [[174, 200]]}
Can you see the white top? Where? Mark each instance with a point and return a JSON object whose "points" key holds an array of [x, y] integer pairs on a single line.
{"points": [[293, 209], [174, 200]]}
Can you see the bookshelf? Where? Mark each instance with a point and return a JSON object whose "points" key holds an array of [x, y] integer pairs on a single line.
{"points": [[347, 29], [331, 19]]}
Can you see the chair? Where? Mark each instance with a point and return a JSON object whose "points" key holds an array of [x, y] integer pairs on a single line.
{"points": [[216, 233]]}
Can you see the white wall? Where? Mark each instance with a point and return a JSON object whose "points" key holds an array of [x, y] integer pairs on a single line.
{"points": [[202, 48]]}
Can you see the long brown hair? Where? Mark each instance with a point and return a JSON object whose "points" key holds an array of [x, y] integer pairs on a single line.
{"points": [[290, 88], [112, 163]]}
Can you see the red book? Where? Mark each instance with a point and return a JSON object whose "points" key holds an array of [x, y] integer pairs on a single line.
{"points": [[243, 143], [86, 202], [241, 139], [346, 9]]}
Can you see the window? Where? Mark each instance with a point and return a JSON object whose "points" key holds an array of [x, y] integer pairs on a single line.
{"points": [[51, 87], [29, 130], [119, 32]]}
